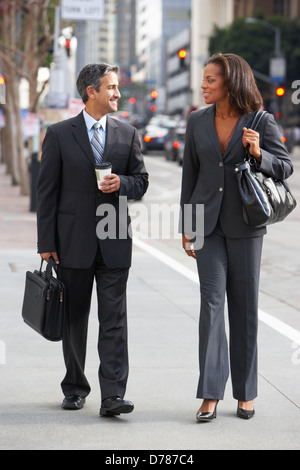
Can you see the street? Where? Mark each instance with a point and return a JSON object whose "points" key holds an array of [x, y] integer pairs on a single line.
{"points": [[154, 65], [163, 310], [281, 255]]}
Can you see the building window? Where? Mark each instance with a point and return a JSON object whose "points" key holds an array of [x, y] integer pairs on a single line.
{"points": [[177, 14], [282, 7]]}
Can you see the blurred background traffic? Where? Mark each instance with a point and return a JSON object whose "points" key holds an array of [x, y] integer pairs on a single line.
{"points": [[161, 48]]}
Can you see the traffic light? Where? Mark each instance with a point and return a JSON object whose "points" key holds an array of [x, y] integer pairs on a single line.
{"points": [[280, 91], [2, 90], [68, 47], [182, 54], [153, 96]]}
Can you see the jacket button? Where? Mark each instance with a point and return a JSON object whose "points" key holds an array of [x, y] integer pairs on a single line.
{"points": [[221, 164], [220, 189]]}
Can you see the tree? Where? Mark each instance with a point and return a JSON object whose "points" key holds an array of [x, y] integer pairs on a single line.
{"points": [[25, 38], [256, 43]]}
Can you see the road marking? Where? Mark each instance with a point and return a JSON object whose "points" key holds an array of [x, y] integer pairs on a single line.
{"points": [[166, 260], [19, 218], [277, 325], [156, 161]]}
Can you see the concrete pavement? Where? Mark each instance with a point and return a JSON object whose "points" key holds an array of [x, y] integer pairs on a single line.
{"points": [[163, 310]]}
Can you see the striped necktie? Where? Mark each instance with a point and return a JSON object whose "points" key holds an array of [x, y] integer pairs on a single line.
{"points": [[96, 143]]}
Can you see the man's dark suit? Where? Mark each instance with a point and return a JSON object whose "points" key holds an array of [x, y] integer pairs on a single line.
{"points": [[68, 196], [67, 201]]}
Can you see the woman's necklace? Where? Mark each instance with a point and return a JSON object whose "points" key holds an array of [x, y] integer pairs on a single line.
{"points": [[223, 144]]}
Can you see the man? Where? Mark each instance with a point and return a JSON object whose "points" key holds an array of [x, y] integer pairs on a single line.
{"points": [[68, 201]]}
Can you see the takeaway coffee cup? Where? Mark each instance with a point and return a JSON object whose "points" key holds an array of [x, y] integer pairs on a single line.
{"points": [[102, 169]]}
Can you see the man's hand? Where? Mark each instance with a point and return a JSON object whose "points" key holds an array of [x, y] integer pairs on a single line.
{"points": [[187, 245], [46, 256], [110, 184]]}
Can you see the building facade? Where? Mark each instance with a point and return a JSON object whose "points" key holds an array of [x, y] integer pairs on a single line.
{"points": [[205, 15], [158, 21], [287, 8]]}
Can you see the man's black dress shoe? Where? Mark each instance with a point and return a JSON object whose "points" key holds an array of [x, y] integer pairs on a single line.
{"points": [[73, 402], [114, 406]]}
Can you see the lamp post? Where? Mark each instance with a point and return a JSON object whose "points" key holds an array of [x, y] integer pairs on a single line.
{"points": [[277, 50], [277, 62], [59, 80], [277, 67]]}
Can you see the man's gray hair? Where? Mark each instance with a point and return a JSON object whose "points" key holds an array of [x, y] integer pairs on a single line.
{"points": [[91, 75]]}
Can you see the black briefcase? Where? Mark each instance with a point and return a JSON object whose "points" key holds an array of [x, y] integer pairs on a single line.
{"points": [[44, 302]]}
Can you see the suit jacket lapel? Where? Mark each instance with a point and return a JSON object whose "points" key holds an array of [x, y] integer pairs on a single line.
{"points": [[244, 121], [81, 136], [211, 129], [111, 137]]}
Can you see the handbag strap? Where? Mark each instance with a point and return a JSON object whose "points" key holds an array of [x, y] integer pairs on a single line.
{"points": [[254, 125], [257, 118]]}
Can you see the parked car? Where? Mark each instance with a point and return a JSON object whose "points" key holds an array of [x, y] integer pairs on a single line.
{"points": [[174, 145], [137, 121], [154, 138], [156, 133]]}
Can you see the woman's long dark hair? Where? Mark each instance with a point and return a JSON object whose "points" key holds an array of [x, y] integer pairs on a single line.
{"points": [[243, 93]]}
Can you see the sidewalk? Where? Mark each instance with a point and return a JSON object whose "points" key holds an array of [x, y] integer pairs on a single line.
{"points": [[163, 340], [17, 223]]}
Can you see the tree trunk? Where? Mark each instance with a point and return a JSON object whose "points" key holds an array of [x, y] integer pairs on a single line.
{"points": [[8, 145], [10, 136], [24, 40]]}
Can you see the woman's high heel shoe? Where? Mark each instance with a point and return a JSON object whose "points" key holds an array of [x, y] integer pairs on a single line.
{"points": [[206, 416], [245, 414]]}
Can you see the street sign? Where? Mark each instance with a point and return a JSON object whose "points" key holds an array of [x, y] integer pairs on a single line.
{"points": [[82, 10], [31, 124], [76, 105], [277, 69], [2, 119]]}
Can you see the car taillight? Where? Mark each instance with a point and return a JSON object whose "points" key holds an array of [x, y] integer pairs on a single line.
{"points": [[147, 138], [283, 139], [176, 145]]}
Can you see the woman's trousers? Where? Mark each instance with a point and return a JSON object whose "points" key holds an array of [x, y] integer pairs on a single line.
{"points": [[228, 268]]}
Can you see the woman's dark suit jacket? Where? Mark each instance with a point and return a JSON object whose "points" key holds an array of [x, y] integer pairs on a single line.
{"points": [[68, 197], [209, 178]]}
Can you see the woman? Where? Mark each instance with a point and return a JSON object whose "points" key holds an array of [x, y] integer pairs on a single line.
{"points": [[229, 261]]}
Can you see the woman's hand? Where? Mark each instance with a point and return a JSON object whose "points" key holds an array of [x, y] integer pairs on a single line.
{"points": [[187, 245], [252, 138]]}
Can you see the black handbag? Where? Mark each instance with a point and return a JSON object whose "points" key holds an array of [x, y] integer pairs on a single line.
{"points": [[44, 302], [265, 200]]}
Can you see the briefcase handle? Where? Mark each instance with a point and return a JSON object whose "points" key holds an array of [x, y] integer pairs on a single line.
{"points": [[51, 265]]}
